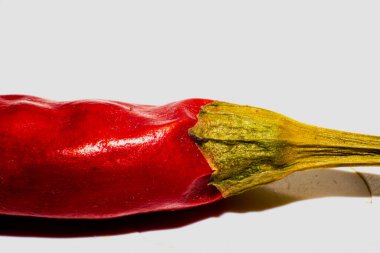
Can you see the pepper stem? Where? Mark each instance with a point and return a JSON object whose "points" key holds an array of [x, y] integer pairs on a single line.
{"points": [[248, 147]]}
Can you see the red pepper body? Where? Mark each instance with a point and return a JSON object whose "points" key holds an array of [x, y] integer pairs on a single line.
{"points": [[99, 159]]}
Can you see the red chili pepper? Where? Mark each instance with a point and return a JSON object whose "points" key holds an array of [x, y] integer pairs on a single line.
{"points": [[103, 159]]}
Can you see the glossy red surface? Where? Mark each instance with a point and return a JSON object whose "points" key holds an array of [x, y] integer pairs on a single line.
{"points": [[99, 159]]}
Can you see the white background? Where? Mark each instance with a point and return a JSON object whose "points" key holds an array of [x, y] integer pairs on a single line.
{"points": [[316, 61]]}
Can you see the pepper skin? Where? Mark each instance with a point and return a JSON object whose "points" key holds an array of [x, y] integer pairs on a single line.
{"points": [[99, 159]]}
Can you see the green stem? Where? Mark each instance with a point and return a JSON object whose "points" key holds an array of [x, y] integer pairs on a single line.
{"points": [[248, 147]]}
